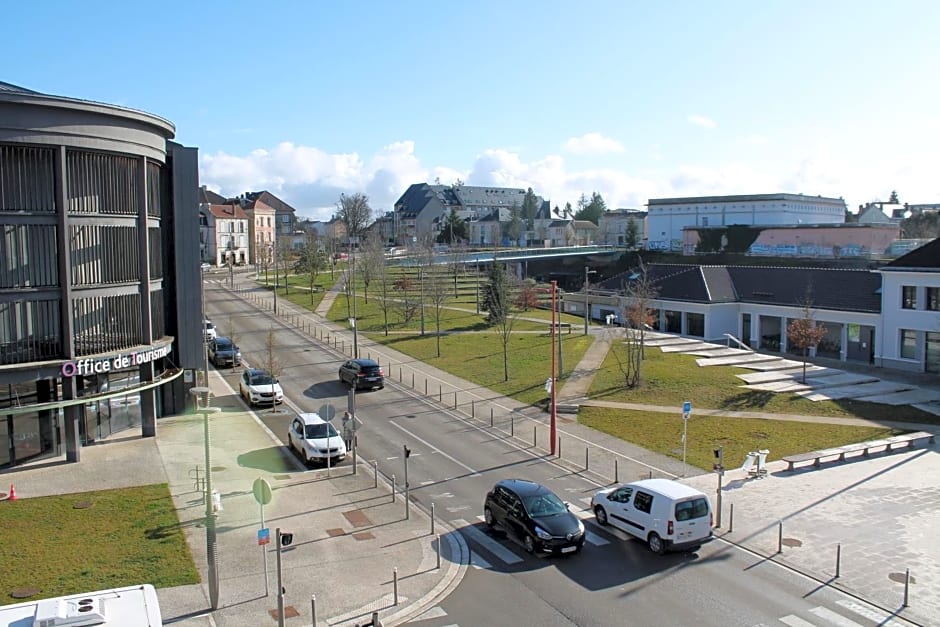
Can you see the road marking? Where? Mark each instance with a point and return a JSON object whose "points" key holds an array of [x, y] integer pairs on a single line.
{"points": [[427, 482], [442, 495], [883, 619], [594, 539], [583, 514], [435, 449], [487, 542], [832, 617], [478, 562], [586, 501], [457, 509], [795, 621], [435, 612]]}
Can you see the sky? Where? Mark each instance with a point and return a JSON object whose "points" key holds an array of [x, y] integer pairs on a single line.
{"points": [[634, 100]]}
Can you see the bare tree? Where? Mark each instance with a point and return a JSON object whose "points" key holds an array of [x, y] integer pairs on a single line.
{"points": [[272, 364], [406, 301], [438, 293], [383, 280], [285, 255], [639, 290], [310, 261], [803, 332], [355, 212], [371, 261], [498, 304]]}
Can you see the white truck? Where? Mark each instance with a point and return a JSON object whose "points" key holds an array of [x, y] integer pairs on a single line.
{"points": [[132, 606]]}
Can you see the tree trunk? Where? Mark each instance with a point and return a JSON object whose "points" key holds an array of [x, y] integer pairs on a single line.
{"points": [[506, 361], [804, 365]]}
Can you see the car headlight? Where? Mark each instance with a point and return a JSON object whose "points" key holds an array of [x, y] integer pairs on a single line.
{"points": [[238, 354], [580, 527], [542, 534]]}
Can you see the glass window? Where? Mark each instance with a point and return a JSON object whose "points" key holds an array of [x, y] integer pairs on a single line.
{"points": [[695, 324], [909, 297], [643, 501], [933, 298], [908, 344], [689, 510], [932, 355]]}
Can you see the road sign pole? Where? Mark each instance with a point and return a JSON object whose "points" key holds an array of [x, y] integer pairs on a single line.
{"points": [[686, 412], [280, 587], [264, 554]]}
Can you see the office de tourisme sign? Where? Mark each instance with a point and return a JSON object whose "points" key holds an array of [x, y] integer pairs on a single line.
{"points": [[83, 367]]}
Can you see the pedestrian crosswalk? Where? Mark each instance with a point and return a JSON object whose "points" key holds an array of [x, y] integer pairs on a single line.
{"points": [[850, 613]]}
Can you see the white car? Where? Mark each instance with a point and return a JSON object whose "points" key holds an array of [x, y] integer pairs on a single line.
{"points": [[258, 387], [665, 514], [315, 439], [208, 330]]}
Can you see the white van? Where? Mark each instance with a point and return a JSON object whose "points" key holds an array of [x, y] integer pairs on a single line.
{"points": [[665, 514], [131, 606]]}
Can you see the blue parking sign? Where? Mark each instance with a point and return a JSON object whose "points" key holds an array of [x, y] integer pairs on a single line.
{"points": [[687, 407], [264, 536]]}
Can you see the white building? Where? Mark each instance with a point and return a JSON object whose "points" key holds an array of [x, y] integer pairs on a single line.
{"points": [[614, 224], [668, 216], [228, 235]]}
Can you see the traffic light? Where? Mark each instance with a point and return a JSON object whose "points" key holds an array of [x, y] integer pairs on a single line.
{"points": [[719, 459], [407, 451], [286, 539]]}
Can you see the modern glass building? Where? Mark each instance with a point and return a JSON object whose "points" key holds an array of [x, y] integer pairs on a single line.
{"points": [[100, 282]]}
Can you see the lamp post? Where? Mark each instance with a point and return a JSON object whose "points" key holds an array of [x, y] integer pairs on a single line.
{"points": [[274, 248], [212, 555], [552, 430], [587, 304], [352, 320]]}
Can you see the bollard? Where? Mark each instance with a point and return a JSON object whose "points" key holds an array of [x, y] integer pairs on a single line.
{"points": [[432, 518], [313, 608], [395, 583], [425, 386], [512, 425], [491, 416], [559, 447], [394, 488], [838, 558], [780, 537], [907, 585], [651, 473], [616, 471], [412, 380], [455, 399], [440, 394], [587, 459], [438, 551], [731, 519], [473, 408], [375, 473], [535, 436], [399, 374]]}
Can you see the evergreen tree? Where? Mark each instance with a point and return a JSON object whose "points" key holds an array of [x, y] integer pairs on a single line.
{"points": [[631, 238], [513, 228], [453, 230], [496, 295], [530, 207], [592, 209]]}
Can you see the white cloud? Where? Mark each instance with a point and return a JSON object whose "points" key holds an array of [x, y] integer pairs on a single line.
{"points": [[701, 120], [593, 144]]}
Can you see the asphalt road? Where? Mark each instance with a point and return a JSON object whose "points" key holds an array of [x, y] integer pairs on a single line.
{"points": [[613, 581]]}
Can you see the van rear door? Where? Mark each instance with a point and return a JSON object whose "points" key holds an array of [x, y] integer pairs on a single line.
{"points": [[693, 520]]}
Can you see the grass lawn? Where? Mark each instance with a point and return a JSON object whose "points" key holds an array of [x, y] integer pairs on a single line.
{"points": [[663, 433], [127, 536], [671, 378]]}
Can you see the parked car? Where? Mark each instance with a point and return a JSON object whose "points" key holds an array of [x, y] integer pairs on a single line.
{"points": [[362, 373], [533, 515], [665, 514], [205, 267], [208, 330], [224, 352], [258, 387], [315, 439]]}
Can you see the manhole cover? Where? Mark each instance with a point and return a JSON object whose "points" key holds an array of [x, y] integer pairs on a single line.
{"points": [[25, 593], [791, 542], [83, 504], [900, 577]]}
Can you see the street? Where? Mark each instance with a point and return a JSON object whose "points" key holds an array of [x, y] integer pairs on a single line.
{"points": [[453, 463]]}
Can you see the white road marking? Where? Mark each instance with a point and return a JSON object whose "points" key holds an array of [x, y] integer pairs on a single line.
{"points": [[586, 500], [593, 538], [457, 509], [795, 621], [435, 612], [832, 617], [478, 562], [583, 514], [442, 495], [435, 449], [487, 542], [883, 619]]}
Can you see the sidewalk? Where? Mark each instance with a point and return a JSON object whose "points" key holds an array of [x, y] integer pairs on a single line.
{"points": [[349, 536], [882, 509]]}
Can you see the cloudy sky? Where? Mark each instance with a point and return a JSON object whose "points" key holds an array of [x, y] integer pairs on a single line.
{"points": [[313, 99]]}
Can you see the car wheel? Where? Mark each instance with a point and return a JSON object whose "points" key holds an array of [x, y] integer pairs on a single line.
{"points": [[656, 544], [529, 544], [488, 517], [601, 515], [306, 459]]}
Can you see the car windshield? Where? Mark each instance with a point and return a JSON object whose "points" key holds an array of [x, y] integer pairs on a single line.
{"points": [[262, 379], [319, 431], [223, 345], [209, 325], [541, 505]]}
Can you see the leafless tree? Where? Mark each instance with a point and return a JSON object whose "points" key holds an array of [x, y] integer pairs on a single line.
{"points": [[803, 332], [272, 364], [371, 261], [384, 280], [285, 255], [639, 291], [355, 212], [437, 293]]}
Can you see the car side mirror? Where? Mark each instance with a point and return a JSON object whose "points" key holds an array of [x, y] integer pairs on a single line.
{"points": [[567, 505]]}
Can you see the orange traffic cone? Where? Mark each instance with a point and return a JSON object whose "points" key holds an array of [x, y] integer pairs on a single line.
{"points": [[12, 496]]}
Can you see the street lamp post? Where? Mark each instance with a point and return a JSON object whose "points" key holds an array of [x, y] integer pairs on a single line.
{"points": [[587, 304], [212, 555], [353, 319], [275, 273], [552, 431]]}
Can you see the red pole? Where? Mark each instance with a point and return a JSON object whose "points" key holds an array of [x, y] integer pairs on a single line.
{"points": [[552, 435]]}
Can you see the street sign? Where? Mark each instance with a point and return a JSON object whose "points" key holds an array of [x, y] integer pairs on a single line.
{"points": [[262, 491], [264, 536], [548, 385], [327, 412], [687, 407]]}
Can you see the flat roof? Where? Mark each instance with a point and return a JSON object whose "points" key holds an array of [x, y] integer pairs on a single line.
{"points": [[742, 198]]}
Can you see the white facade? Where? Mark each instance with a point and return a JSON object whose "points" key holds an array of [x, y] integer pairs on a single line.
{"points": [[910, 314], [613, 225], [668, 216]]}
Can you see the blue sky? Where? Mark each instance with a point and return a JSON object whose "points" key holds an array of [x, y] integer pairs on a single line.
{"points": [[312, 99]]}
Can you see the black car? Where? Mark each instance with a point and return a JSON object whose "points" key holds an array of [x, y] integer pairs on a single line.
{"points": [[534, 516], [224, 352], [362, 373]]}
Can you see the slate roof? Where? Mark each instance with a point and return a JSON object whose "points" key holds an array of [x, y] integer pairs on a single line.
{"points": [[270, 200], [833, 289], [228, 212], [209, 197], [927, 257], [9, 87], [419, 195], [583, 224]]}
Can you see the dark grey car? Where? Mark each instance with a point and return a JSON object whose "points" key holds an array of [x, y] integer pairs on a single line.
{"points": [[224, 352], [534, 516], [362, 373]]}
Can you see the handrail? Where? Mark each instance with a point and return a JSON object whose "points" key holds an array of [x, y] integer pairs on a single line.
{"points": [[739, 342]]}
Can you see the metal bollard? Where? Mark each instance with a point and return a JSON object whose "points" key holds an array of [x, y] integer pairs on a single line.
{"points": [[432, 518], [395, 583], [313, 608], [651, 473], [438, 551], [394, 488], [491, 416], [425, 386], [731, 519], [616, 471], [587, 459], [399, 374], [455, 399], [512, 425], [838, 559], [559, 447], [412, 380], [907, 585], [780, 537], [535, 436], [473, 408], [375, 473], [440, 394]]}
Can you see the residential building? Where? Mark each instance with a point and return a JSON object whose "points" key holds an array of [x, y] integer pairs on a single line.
{"points": [[667, 217], [100, 278], [585, 232], [910, 308], [614, 225], [384, 227], [285, 218], [261, 227], [229, 232]]}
